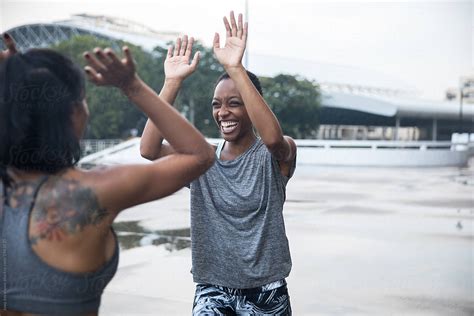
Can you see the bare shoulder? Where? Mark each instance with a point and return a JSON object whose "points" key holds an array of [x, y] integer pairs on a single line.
{"points": [[287, 164], [65, 206]]}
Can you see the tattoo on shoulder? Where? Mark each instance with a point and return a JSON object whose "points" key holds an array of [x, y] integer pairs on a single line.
{"points": [[66, 207]]}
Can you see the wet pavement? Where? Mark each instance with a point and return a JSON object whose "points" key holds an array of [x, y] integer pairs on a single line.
{"points": [[364, 241]]}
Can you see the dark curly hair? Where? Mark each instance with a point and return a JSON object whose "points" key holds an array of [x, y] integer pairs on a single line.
{"points": [[38, 92], [251, 75]]}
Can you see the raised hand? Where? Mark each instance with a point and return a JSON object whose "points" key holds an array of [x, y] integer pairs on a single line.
{"points": [[11, 48], [231, 54], [106, 69], [177, 66]]}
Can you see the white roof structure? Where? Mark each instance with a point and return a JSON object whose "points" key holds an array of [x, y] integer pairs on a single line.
{"points": [[397, 106], [343, 87], [46, 34]]}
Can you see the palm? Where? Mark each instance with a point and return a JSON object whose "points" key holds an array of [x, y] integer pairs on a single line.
{"points": [[236, 39], [177, 63], [231, 54], [178, 67]]}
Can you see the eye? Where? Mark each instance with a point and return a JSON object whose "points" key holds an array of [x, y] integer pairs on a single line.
{"points": [[235, 103], [216, 104]]}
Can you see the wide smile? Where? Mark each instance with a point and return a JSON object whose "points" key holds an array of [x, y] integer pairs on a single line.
{"points": [[228, 127]]}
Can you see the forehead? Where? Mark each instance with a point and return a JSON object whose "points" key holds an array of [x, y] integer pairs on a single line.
{"points": [[226, 88]]}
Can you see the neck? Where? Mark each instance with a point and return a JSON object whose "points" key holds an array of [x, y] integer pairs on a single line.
{"points": [[239, 146]]}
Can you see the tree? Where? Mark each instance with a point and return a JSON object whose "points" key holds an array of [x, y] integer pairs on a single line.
{"points": [[112, 114], [295, 102]]}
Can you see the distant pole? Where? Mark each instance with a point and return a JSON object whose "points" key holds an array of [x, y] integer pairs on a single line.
{"points": [[461, 95], [246, 57]]}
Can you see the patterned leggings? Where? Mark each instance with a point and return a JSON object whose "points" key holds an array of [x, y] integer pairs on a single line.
{"points": [[271, 299]]}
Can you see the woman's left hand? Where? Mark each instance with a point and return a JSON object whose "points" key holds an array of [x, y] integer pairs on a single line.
{"points": [[11, 48], [231, 54]]}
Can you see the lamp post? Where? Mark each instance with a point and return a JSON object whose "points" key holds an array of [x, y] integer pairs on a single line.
{"points": [[246, 57]]}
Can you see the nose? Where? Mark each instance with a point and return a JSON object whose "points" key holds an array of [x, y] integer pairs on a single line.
{"points": [[223, 111]]}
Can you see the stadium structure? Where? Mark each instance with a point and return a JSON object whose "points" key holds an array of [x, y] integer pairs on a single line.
{"points": [[356, 103], [358, 106]]}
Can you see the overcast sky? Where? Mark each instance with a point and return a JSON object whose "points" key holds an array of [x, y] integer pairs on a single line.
{"points": [[426, 44]]}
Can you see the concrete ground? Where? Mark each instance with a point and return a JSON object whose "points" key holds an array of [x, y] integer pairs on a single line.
{"points": [[364, 241]]}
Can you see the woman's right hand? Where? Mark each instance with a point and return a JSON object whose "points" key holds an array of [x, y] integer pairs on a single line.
{"points": [[177, 63], [11, 48], [106, 69]]}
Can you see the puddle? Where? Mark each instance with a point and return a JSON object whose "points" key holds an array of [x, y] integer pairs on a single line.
{"points": [[132, 235]]}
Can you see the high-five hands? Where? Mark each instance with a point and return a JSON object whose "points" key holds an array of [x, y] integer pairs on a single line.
{"points": [[231, 54]]}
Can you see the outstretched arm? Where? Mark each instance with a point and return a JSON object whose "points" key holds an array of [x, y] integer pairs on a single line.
{"points": [[124, 186], [282, 147], [177, 68]]}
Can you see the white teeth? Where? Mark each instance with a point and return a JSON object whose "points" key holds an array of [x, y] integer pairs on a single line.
{"points": [[228, 123], [228, 126]]}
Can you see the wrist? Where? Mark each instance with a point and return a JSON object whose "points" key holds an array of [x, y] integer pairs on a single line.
{"points": [[234, 69], [173, 82], [132, 87]]}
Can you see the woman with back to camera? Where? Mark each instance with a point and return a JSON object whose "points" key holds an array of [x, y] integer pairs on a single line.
{"points": [[59, 250], [240, 253]]}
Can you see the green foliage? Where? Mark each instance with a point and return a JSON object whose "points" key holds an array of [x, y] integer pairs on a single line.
{"points": [[198, 90], [295, 101], [112, 115]]}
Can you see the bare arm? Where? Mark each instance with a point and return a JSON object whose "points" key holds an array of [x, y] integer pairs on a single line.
{"points": [[282, 147], [177, 68], [124, 186]]}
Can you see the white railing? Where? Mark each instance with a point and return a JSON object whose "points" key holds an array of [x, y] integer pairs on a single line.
{"points": [[328, 152], [91, 146]]}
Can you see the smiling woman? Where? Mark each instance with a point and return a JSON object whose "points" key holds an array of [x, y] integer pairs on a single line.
{"points": [[229, 110], [240, 253]]}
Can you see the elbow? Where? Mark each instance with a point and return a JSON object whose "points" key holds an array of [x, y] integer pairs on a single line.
{"points": [[146, 153], [210, 157], [206, 158], [273, 144]]}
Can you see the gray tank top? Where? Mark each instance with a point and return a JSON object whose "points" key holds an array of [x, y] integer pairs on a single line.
{"points": [[237, 228], [30, 285]]}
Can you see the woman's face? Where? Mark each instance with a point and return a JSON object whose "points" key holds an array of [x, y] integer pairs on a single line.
{"points": [[229, 111]]}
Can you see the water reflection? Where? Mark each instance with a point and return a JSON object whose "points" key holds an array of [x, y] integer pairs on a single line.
{"points": [[132, 234]]}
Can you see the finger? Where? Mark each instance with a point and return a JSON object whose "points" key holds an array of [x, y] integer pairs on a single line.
{"points": [[215, 42], [189, 48], [101, 57], [170, 52], [128, 56], [177, 47], [228, 32], [184, 45], [195, 61], [111, 55], [93, 75], [240, 29], [9, 43], [93, 62], [233, 24], [245, 32]]}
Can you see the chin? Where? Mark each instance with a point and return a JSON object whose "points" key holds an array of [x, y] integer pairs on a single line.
{"points": [[229, 137]]}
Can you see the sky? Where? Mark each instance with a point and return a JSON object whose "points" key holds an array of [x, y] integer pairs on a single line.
{"points": [[428, 45]]}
